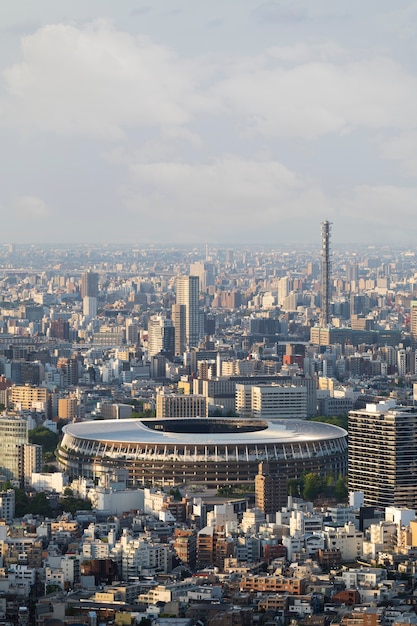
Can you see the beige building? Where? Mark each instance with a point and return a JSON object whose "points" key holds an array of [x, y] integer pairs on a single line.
{"points": [[67, 408], [179, 405], [30, 461], [29, 398]]}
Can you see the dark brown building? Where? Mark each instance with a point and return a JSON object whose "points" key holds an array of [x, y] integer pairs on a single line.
{"points": [[270, 489]]}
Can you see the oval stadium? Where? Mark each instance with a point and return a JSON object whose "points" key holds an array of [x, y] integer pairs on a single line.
{"points": [[201, 451]]}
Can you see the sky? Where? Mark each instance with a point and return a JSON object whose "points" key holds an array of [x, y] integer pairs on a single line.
{"points": [[227, 122]]}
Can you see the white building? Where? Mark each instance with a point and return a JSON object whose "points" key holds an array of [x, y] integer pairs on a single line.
{"points": [[7, 505], [56, 481], [346, 539], [279, 401], [140, 556], [301, 522], [368, 576]]}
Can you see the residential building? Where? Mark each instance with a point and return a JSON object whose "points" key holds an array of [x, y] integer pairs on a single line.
{"points": [[30, 398], [13, 433], [383, 454]]}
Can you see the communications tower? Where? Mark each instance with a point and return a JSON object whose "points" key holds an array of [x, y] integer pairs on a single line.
{"points": [[325, 274]]}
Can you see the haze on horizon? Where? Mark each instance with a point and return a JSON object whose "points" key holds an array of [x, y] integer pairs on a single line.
{"points": [[183, 122]]}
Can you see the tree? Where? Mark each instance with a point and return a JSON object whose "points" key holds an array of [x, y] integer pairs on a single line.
{"points": [[295, 487], [45, 438], [39, 505], [313, 486], [340, 489], [336, 420], [21, 502], [71, 504]]}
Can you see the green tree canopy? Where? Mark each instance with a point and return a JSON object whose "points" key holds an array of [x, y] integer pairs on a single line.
{"points": [[341, 491], [313, 486], [72, 504], [45, 438], [336, 420]]}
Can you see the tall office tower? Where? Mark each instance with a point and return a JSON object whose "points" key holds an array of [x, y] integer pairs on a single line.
{"points": [[161, 336], [284, 287], [205, 273], [325, 273], [13, 433], [352, 272], [383, 454], [358, 304], [90, 307], [178, 319], [401, 362], [132, 332], [188, 289], [89, 284], [413, 319]]}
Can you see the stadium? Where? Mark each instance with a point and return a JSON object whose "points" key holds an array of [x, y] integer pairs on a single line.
{"points": [[209, 451]]}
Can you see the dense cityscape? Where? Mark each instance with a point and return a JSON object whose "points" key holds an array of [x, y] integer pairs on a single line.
{"points": [[208, 435]]}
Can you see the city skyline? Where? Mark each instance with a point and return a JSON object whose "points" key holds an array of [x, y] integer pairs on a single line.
{"points": [[185, 124]]}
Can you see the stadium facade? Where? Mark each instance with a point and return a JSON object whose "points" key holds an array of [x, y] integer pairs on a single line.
{"points": [[209, 451]]}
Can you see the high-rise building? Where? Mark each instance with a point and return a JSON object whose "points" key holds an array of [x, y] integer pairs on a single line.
{"points": [[205, 272], [90, 307], [161, 336], [352, 272], [13, 433], [178, 319], [413, 319], [383, 454], [89, 284], [30, 461], [325, 274], [188, 294], [132, 332]]}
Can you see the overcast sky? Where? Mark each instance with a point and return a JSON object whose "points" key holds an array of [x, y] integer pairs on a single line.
{"points": [[229, 121]]}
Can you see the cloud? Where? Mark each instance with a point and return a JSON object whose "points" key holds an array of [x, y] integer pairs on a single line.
{"points": [[272, 13], [402, 150], [316, 98], [228, 199], [96, 81], [384, 206], [140, 11], [233, 199], [31, 208]]}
